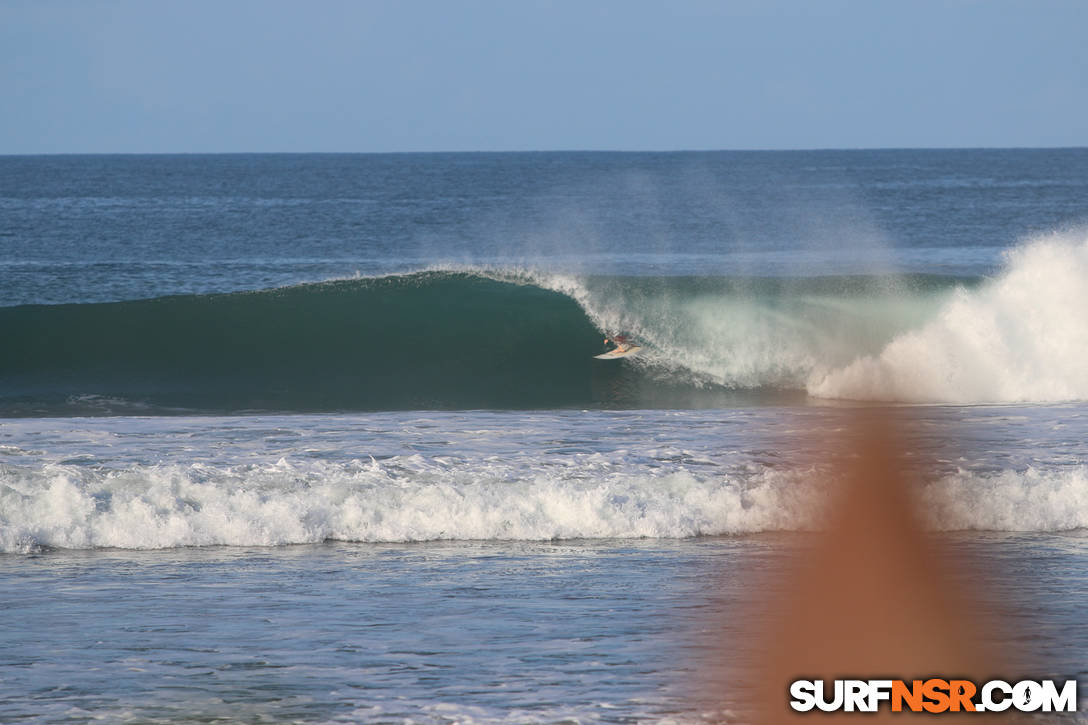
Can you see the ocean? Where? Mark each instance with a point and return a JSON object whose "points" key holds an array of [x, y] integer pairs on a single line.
{"points": [[321, 438]]}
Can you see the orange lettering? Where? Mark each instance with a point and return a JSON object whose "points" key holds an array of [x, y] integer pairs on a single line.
{"points": [[962, 691], [913, 696], [936, 691]]}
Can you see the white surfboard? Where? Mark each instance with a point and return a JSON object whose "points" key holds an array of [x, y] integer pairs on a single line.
{"points": [[613, 354]]}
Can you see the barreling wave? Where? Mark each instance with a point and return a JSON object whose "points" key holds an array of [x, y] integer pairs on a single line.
{"points": [[414, 498], [430, 340], [1020, 336], [463, 339]]}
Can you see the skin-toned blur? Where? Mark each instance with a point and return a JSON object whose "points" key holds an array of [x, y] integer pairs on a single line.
{"points": [[870, 595]]}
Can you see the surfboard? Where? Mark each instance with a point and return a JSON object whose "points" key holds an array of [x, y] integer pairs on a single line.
{"points": [[612, 355]]}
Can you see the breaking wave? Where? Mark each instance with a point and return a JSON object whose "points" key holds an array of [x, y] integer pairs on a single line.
{"points": [[416, 498], [464, 339], [1022, 336]]}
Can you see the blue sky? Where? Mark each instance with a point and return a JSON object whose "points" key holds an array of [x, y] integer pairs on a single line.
{"points": [[420, 75]]}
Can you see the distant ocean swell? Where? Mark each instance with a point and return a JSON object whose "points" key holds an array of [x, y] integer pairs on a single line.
{"points": [[419, 499], [506, 339]]}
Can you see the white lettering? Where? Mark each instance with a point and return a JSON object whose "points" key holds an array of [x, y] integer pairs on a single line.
{"points": [[987, 696], [803, 693], [879, 690], [1027, 696], [829, 705], [1064, 701], [855, 695]]}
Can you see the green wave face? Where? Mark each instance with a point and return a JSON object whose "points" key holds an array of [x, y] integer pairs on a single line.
{"points": [[452, 340], [430, 340]]}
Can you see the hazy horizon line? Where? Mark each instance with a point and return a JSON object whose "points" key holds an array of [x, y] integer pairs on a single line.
{"points": [[545, 151]]}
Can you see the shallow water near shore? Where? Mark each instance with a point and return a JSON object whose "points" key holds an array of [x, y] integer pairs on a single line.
{"points": [[588, 631], [606, 583]]}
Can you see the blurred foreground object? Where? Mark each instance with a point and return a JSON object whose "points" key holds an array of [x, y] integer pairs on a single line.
{"points": [[873, 596]]}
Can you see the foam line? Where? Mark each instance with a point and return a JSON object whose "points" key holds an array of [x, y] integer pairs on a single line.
{"points": [[417, 499]]}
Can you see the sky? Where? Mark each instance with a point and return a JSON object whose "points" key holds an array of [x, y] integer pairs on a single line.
{"points": [[129, 76]]}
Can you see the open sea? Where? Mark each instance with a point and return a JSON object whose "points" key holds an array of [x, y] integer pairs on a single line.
{"points": [[320, 438]]}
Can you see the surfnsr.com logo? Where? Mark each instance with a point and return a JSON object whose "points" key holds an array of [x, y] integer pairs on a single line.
{"points": [[934, 696]]}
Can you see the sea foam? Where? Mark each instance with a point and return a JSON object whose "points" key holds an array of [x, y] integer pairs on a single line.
{"points": [[398, 500], [418, 499], [1023, 336]]}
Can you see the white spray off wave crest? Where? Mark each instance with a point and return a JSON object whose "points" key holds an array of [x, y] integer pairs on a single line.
{"points": [[1022, 337]]}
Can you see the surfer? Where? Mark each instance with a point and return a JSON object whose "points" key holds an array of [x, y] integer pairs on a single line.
{"points": [[622, 342]]}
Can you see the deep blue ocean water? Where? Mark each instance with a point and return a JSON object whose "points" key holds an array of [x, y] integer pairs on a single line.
{"points": [[320, 438]]}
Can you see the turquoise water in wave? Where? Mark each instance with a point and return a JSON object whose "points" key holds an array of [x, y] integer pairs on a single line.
{"points": [[320, 438]]}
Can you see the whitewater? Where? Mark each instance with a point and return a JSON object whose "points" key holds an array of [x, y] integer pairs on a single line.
{"points": [[428, 481], [1018, 336], [1021, 336], [164, 507]]}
